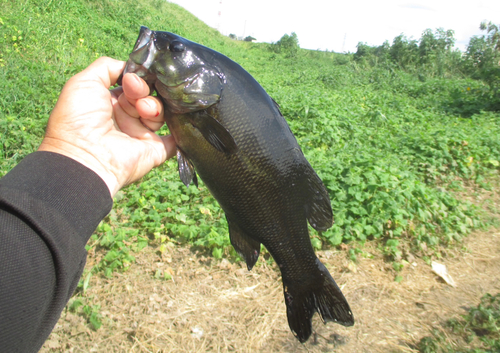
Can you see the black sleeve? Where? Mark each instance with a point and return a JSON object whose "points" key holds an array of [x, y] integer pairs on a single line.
{"points": [[49, 207]]}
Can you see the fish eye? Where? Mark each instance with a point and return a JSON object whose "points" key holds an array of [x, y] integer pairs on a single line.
{"points": [[176, 47]]}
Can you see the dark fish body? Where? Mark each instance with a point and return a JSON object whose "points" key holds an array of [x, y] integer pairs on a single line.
{"points": [[231, 133]]}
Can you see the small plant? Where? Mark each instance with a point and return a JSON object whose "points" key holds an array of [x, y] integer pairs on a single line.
{"points": [[479, 329], [90, 312]]}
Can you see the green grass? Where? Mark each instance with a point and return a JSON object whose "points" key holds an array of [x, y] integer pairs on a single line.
{"points": [[478, 331], [388, 144]]}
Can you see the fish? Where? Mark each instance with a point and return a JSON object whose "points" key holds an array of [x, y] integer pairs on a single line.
{"points": [[231, 134]]}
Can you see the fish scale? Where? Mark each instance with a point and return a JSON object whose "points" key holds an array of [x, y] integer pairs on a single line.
{"points": [[232, 134]]}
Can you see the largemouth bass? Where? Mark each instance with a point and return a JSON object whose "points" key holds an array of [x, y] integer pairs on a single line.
{"points": [[231, 133]]}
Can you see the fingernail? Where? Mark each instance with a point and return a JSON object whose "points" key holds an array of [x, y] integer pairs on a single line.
{"points": [[150, 103], [157, 113], [137, 78]]}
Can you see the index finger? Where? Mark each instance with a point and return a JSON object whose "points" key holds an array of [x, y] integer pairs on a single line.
{"points": [[134, 87]]}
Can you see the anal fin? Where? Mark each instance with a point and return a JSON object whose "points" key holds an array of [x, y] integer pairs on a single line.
{"points": [[244, 245], [186, 169]]}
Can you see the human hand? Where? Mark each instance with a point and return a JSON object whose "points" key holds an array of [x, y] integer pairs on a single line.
{"points": [[109, 131]]}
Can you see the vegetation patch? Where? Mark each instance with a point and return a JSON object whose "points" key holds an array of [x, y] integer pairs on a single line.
{"points": [[393, 131], [478, 329]]}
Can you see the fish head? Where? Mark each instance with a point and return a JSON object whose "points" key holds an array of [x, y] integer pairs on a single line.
{"points": [[184, 73]]}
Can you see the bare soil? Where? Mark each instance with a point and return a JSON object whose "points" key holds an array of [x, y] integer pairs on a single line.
{"points": [[211, 305]]}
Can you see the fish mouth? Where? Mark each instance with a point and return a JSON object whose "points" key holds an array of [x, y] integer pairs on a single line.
{"points": [[145, 35], [143, 54]]}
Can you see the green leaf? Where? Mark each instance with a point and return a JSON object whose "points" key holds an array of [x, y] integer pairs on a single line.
{"points": [[95, 320], [75, 304], [217, 253], [316, 243], [87, 280]]}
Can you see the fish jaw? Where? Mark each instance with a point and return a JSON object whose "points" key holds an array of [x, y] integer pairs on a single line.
{"points": [[142, 57]]}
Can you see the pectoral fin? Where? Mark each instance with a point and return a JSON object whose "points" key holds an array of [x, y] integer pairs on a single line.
{"points": [[244, 245], [186, 169], [318, 208], [213, 131]]}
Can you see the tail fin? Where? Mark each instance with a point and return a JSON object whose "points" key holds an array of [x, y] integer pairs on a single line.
{"points": [[323, 296]]}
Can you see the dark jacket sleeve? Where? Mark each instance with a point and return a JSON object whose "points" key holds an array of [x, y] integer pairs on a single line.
{"points": [[49, 207]]}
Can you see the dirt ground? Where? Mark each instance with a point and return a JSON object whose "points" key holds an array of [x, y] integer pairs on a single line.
{"points": [[212, 305]]}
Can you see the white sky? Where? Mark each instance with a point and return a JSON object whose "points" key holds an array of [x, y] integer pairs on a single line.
{"points": [[339, 25]]}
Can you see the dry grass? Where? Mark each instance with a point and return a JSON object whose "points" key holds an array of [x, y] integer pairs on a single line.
{"points": [[217, 306]]}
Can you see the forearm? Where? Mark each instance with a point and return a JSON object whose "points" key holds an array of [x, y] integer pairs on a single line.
{"points": [[49, 207]]}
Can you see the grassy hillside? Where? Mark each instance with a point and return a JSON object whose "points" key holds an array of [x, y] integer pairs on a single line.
{"points": [[43, 43], [386, 143]]}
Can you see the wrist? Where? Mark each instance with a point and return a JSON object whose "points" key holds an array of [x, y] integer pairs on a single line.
{"points": [[86, 157]]}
